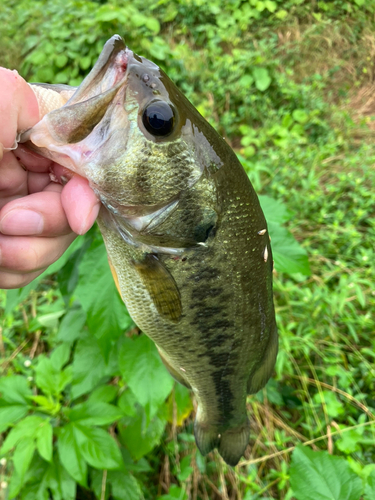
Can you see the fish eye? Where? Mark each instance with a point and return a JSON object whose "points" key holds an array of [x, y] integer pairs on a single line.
{"points": [[158, 118]]}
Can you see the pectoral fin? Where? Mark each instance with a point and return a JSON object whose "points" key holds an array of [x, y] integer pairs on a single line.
{"points": [[161, 286]]}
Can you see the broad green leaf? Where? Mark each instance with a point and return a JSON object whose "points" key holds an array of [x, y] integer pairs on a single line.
{"points": [[370, 487], [61, 60], [10, 414], [85, 62], [106, 314], [69, 274], [95, 413], [175, 493], [153, 24], [317, 475], [140, 438], [14, 389], [72, 324], [98, 447], [70, 454], [26, 428], [50, 320], [128, 402], [300, 116], [144, 372], [66, 485], [57, 480], [287, 253], [179, 400], [262, 78], [22, 456], [124, 485], [86, 356], [18, 295], [104, 394], [60, 356], [44, 441], [49, 378], [274, 210]]}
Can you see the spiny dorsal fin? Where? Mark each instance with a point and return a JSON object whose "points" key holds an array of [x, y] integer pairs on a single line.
{"points": [[161, 286]]}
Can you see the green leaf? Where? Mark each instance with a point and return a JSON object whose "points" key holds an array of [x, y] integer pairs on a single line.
{"points": [[144, 372], [153, 24], [44, 441], [69, 274], [317, 475], [95, 413], [96, 290], [104, 394], [57, 479], [139, 437], [370, 487], [49, 378], [26, 428], [72, 324], [281, 14], [14, 389], [274, 210], [70, 454], [85, 62], [60, 356], [179, 404], [23, 455], [87, 354], [98, 447], [288, 254], [300, 116], [10, 414], [124, 485], [246, 81], [262, 78], [61, 60]]}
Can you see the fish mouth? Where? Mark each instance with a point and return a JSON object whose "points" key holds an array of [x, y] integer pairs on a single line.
{"points": [[110, 69], [65, 134]]}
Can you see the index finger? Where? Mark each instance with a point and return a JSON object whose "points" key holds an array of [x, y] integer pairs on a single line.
{"points": [[19, 108]]}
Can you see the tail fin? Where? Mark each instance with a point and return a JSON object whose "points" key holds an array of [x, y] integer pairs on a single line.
{"points": [[231, 443], [206, 437]]}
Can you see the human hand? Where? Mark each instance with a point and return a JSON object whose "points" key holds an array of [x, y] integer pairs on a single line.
{"points": [[39, 219]]}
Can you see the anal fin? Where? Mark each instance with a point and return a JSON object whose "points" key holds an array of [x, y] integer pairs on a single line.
{"points": [[175, 374], [161, 287], [261, 376], [206, 437], [233, 443]]}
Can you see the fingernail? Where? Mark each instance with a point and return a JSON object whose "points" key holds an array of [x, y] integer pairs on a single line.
{"points": [[90, 219], [19, 222]]}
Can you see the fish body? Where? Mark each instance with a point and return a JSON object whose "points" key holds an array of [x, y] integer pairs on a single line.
{"points": [[185, 235]]}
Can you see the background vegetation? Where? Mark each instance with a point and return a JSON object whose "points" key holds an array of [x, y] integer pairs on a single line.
{"points": [[86, 409]]}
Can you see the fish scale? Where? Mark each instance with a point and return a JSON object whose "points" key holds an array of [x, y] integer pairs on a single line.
{"points": [[184, 232]]}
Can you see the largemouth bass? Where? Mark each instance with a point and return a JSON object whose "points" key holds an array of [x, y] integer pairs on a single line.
{"points": [[186, 238]]}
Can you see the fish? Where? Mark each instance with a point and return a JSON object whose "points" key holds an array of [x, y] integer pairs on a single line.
{"points": [[185, 235]]}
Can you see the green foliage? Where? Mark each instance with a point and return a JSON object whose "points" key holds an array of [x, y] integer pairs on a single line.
{"points": [[320, 476], [86, 406]]}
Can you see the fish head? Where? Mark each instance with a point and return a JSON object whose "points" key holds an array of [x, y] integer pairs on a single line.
{"points": [[130, 132]]}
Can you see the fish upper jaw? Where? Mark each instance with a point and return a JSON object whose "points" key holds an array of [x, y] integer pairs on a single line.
{"points": [[72, 134]]}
